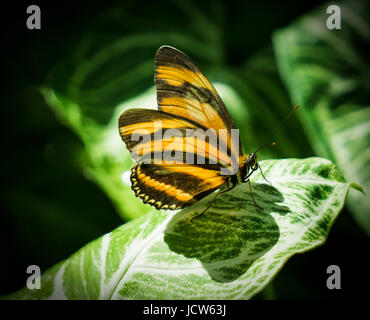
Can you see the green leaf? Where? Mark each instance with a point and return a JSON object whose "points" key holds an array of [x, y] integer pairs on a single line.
{"points": [[107, 158], [231, 251], [327, 74], [265, 102]]}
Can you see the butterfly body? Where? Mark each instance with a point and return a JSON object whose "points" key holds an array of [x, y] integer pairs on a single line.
{"points": [[189, 105]]}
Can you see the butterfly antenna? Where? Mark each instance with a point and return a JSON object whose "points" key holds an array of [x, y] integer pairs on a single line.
{"points": [[276, 128]]}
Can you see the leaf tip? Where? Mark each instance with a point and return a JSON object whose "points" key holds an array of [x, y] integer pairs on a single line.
{"points": [[357, 187]]}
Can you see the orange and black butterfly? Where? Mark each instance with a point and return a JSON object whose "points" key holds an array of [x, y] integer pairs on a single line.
{"points": [[186, 100]]}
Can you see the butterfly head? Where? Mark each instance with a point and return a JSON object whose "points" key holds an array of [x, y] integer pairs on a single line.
{"points": [[248, 165], [251, 161]]}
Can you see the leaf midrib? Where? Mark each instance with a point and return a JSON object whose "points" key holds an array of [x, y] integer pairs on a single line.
{"points": [[141, 250]]}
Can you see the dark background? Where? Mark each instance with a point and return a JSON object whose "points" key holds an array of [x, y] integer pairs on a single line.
{"points": [[49, 209]]}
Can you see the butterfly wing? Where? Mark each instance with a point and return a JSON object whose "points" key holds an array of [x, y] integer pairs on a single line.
{"points": [[186, 100], [160, 183], [183, 90], [173, 187]]}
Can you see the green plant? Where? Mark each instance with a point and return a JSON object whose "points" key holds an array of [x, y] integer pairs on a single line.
{"points": [[231, 252], [234, 250]]}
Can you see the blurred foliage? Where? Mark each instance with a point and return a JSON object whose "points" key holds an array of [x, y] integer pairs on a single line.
{"points": [[92, 63], [328, 73]]}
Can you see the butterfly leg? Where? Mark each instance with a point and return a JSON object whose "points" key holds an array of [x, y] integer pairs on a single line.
{"points": [[251, 193], [263, 174], [210, 203]]}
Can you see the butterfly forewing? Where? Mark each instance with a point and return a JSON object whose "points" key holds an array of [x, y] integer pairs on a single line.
{"points": [[148, 124], [183, 90]]}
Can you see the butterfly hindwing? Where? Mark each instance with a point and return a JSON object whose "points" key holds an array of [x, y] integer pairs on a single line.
{"points": [[170, 187]]}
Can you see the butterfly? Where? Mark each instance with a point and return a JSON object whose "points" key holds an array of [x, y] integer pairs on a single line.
{"points": [[186, 101]]}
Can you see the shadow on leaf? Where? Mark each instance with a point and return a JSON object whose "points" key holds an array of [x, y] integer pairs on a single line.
{"points": [[231, 234]]}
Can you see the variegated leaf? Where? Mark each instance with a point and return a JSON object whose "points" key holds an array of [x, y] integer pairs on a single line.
{"points": [[327, 73], [230, 252]]}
